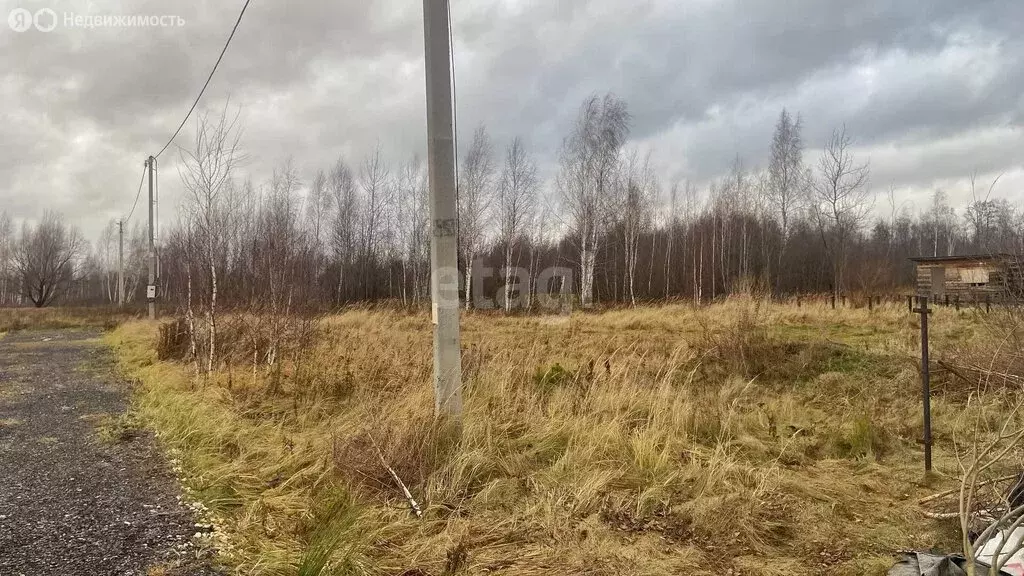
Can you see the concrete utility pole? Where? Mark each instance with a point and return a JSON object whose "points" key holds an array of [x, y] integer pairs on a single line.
{"points": [[120, 263], [444, 266], [151, 286]]}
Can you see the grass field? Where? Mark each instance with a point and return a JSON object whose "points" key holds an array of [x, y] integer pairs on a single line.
{"points": [[63, 318], [759, 438]]}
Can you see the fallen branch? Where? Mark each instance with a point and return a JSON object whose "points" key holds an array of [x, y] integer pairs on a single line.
{"points": [[988, 373], [940, 515], [394, 475], [952, 491], [953, 370]]}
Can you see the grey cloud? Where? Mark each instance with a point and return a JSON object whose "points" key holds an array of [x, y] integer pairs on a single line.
{"points": [[705, 81]]}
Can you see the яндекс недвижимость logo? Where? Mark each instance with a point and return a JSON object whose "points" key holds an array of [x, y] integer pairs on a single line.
{"points": [[46, 19]]}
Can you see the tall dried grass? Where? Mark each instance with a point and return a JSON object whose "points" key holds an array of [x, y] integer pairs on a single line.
{"points": [[750, 436], [57, 318]]}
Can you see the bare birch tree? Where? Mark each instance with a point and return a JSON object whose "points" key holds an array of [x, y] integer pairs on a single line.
{"points": [[342, 187], [539, 235], [517, 201], [377, 196], [786, 191], [639, 188], [105, 252], [206, 176], [136, 261], [589, 161], [475, 196], [279, 243], [843, 200], [941, 218], [6, 257], [672, 225], [412, 227], [318, 208]]}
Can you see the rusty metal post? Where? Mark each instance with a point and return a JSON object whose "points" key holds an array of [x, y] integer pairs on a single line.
{"points": [[926, 387]]}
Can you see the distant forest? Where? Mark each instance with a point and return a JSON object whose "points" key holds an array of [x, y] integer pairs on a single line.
{"points": [[359, 231]]}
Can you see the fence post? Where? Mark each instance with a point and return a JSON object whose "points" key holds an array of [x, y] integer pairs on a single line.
{"points": [[947, 300], [988, 304], [797, 300], [910, 303], [871, 303], [844, 300], [833, 300], [926, 389], [956, 302]]}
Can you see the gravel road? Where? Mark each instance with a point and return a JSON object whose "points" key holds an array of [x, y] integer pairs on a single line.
{"points": [[71, 501]]}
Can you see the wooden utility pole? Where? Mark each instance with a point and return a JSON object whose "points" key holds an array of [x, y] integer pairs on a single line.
{"points": [[151, 286], [444, 267], [120, 263]]}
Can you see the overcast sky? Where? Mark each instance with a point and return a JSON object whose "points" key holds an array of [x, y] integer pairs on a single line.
{"points": [[931, 90]]}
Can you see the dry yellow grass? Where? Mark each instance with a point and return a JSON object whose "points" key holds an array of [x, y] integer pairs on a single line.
{"points": [[62, 318], [763, 438]]}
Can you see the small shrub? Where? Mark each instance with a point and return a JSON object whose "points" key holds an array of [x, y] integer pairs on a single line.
{"points": [[741, 343], [860, 438], [173, 341]]}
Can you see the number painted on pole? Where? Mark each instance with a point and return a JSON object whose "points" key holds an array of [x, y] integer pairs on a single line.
{"points": [[445, 227]]}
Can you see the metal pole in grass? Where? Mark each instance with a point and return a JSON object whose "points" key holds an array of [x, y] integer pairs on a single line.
{"points": [[926, 387]]}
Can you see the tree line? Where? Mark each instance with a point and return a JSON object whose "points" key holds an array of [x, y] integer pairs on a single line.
{"points": [[359, 230]]}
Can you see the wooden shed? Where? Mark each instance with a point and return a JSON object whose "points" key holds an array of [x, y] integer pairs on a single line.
{"points": [[971, 278]]}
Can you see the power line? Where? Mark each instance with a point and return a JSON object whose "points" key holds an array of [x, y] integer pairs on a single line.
{"points": [[455, 125], [210, 77], [137, 194]]}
